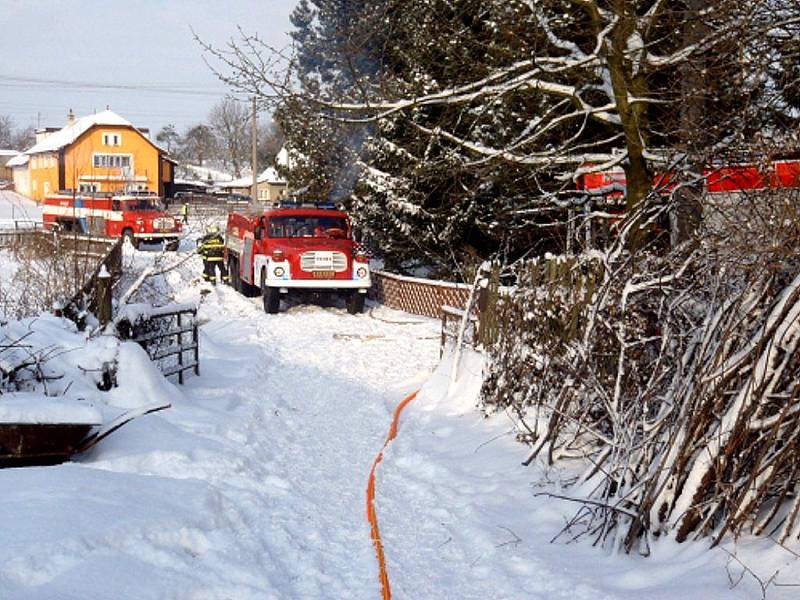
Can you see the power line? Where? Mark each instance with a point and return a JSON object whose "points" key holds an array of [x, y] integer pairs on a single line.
{"points": [[157, 88]]}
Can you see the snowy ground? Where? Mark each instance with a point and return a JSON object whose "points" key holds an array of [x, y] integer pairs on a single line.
{"points": [[18, 211], [253, 484]]}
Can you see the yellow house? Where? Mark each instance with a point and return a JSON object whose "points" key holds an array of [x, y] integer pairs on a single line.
{"points": [[97, 153]]}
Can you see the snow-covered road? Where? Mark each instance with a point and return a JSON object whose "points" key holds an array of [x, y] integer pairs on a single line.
{"points": [[18, 211], [252, 486]]}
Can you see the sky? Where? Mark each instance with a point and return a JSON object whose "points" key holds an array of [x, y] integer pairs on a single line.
{"points": [[55, 54]]}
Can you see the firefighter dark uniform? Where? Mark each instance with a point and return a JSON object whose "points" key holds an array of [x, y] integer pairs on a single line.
{"points": [[211, 249]]}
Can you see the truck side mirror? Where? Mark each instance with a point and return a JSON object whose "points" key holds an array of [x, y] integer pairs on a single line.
{"points": [[259, 233]]}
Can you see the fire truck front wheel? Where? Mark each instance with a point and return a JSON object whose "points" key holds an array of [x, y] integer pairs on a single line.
{"points": [[355, 303], [270, 295], [127, 236]]}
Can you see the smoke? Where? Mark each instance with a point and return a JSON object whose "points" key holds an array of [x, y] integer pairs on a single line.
{"points": [[355, 150]]}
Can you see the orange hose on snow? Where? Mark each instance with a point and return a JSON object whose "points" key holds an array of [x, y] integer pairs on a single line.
{"points": [[371, 515]]}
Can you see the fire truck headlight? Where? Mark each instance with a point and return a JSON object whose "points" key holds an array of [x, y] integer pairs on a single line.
{"points": [[278, 271], [362, 272]]}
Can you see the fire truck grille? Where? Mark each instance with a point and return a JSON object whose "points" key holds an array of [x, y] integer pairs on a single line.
{"points": [[323, 261]]}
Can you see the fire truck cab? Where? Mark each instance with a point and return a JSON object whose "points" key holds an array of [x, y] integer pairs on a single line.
{"points": [[136, 218], [293, 249]]}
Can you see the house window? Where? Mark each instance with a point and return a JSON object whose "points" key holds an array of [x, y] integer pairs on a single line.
{"points": [[88, 188], [112, 161], [112, 139]]}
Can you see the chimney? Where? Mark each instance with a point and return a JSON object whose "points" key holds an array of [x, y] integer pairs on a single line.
{"points": [[70, 117]]}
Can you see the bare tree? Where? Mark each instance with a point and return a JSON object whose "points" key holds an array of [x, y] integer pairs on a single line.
{"points": [[6, 131], [230, 121], [199, 144]]}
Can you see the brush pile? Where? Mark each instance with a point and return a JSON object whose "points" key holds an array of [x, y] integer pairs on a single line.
{"points": [[670, 379]]}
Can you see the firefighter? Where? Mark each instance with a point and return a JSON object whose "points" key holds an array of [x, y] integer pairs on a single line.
{"points": [[185, 211], [211, 247]]}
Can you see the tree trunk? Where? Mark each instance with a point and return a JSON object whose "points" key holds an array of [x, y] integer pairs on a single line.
{"points": [[687, 210], [628, 81]]}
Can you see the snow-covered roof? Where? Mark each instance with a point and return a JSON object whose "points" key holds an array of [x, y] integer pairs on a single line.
{"points": [[70, 133], [268, 175], [207, 173], [20, 160], [8, 152], [242, 182], [195, 182]]}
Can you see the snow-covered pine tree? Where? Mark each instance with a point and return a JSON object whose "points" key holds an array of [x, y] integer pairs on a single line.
{"points": [[469, 120]]}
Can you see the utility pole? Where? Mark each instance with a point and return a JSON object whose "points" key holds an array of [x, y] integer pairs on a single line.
{"points": [[255, 156]]}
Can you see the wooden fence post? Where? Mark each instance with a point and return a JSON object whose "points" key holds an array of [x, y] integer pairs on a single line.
{"points": [[103, 296], [196, 344], [180, 349]]}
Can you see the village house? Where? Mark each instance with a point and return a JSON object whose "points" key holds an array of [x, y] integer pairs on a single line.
{"points": [[96, 153], [6, 174], [18, 165], [271, 186]]}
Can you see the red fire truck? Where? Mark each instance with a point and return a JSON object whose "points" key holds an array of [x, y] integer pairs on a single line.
{"points": [[294, 249], [721, 179], [134, 218]]}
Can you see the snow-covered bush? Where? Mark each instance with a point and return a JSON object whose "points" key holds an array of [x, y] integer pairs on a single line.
{"points": [[46, 356], [37, 273], [672, 378]]}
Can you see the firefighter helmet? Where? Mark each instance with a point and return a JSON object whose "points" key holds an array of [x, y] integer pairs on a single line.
{"points": [[212, 229]]}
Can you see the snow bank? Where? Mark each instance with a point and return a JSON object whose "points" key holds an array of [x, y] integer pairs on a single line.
{"points": [[53, 365], [31, 407], [139, 382], [460, 517]]}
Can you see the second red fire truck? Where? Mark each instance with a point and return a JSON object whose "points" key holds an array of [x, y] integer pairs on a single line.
{"points": [[293, 249], [136, 218], [718, 179]]}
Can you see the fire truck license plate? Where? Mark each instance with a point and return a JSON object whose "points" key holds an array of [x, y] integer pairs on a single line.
{"points": [[323, 274]]}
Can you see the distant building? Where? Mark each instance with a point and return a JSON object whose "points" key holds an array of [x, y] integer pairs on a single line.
{"points": [[6, 173], [96, 153], [271, 186], [19, 174]]}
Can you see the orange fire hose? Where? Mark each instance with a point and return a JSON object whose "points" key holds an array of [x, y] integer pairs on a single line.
{"points": [[371, 516]]}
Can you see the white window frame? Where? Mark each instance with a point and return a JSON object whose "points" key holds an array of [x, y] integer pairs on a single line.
{"points": [[88, 188], [97, 155], [112, 138]]}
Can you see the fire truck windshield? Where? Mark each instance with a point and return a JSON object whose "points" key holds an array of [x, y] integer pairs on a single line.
{"points": [[293, 227], [139, 204]]}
